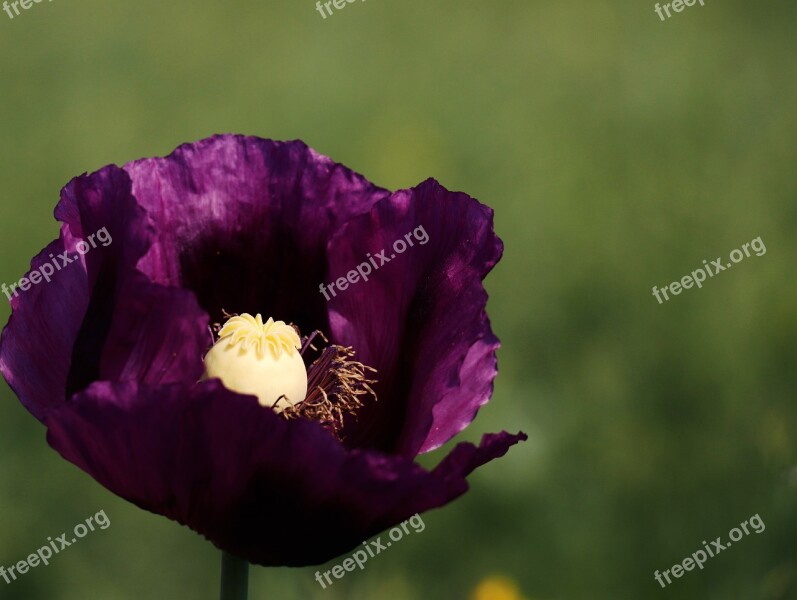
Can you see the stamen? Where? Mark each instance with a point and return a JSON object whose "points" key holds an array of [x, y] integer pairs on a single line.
{"points": [[336, 386], [308, 341]]}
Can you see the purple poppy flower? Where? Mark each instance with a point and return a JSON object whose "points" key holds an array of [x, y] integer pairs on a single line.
{"points": [[109, 354]]}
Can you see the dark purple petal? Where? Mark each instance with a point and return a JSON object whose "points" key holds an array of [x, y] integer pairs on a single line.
{"points": [[99, 318], [244, 223], [36, 344], [48, 320], [466, 458], [420, 319], [158, 335], [271, 491]]}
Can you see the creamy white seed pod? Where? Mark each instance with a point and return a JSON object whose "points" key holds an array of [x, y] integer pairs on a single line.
{"points": [[261, 359]]}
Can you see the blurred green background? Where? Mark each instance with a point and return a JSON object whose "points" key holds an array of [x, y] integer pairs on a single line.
{"points": [[618, 151]]}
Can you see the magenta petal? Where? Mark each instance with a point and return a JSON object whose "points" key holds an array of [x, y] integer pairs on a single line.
{"points": [[466, 458], [39, 342], [243, 222], [420, 319], [35, 356], [270, 491], [98, 317], [158, 335]]}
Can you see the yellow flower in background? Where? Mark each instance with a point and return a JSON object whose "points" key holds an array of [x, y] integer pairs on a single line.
{"points": [[497, 588]]}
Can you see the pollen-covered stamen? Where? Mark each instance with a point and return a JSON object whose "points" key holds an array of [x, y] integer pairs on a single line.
{"points": [[261, 359], [337, 386]]}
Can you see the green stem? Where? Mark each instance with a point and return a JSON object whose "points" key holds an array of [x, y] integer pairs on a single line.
{"points": [[234, 578]]}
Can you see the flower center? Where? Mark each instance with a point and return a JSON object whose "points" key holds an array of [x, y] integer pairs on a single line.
{"points": [[267, 360], [261, 359]]}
